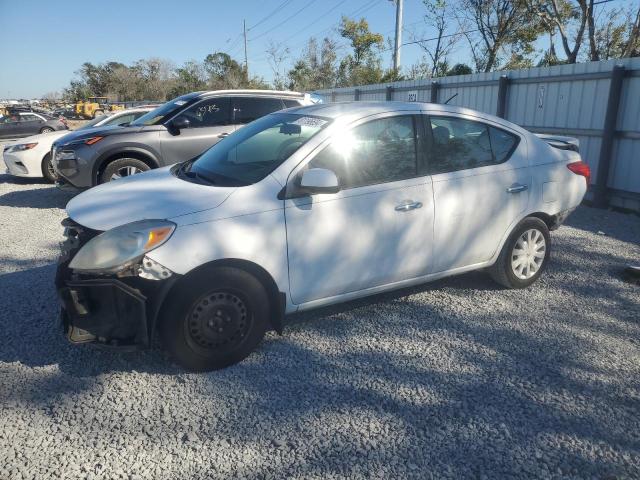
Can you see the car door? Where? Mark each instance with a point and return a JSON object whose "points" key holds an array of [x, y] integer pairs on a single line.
{"points": [[248, 109], [209, 122], [377, 229], [480, 187], [29, 124], [9, 126]]}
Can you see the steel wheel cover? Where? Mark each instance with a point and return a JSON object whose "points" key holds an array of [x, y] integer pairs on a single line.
{"points": [[528, 254], [218, 323]]}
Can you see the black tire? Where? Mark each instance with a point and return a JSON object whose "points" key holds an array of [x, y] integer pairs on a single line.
{"points": [[47, 169], [503, 270], [97, 113], [117, 167], [46, 130], [214, 319]]}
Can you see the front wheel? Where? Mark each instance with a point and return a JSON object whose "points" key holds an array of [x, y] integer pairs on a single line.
{"points": [[46, 130], [48, 172], [524, 255], [215, 318], [122, 167]]}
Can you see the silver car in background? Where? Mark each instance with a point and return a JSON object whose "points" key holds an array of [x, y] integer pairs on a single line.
{"points": [[179, 130]]}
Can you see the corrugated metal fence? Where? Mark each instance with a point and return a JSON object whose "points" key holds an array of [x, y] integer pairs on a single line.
{"points": [[597, 102]]}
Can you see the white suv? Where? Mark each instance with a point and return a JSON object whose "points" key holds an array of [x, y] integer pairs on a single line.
{"points": [[307, 207]]}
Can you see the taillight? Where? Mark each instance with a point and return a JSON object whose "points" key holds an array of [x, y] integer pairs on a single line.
{"points": [[580, 168]]}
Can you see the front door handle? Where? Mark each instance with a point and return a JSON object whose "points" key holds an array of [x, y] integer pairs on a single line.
{"points": [[408, 205], [223, 134], [517, 188]]}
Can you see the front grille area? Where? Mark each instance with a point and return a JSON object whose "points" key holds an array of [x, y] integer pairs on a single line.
{"points": [[75, 237]]}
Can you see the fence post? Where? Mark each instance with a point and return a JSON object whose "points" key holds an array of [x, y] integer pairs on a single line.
{"points": [[600, 194], [356, 94], [333, 97], [389, 93], [434, 91], [503, 88]]}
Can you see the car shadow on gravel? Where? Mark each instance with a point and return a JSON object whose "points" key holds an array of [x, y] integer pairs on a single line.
{"points": [[22, 180], [49, 197]]}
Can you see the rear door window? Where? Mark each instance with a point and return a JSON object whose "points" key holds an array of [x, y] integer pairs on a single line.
{"points": [[461, 144], [248, 109]]}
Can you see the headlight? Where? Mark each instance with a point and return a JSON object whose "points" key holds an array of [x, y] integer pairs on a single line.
{"points": [[20, 148], [120, 247], [62, 155]]}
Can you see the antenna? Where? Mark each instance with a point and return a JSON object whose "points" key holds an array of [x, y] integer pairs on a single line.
{"points": [[451, 98]]}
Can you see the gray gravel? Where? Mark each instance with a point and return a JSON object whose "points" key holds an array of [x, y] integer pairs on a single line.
{"points": [[457, 379]]}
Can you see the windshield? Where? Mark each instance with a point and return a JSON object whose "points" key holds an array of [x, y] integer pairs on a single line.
{"points": [[92, 122], [163, 111], [254, 151]]}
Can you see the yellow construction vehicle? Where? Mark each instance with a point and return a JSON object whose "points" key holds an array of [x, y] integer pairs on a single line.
{"points": [[93, 107]]}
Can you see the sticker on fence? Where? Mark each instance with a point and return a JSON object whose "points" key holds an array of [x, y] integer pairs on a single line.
{"points": [[412, 96], [541, 96]]}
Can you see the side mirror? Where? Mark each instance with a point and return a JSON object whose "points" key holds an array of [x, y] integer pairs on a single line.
{"points": [[319, 180], [180, 123]]}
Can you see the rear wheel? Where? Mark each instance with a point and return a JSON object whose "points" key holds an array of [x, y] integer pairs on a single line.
{"points": [[48, 171], [122, 167], [215, 318], [46, 130], [524, 255]]}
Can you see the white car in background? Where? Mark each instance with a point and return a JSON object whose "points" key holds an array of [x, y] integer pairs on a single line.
{"points": [[31, 156], [307, 207]]}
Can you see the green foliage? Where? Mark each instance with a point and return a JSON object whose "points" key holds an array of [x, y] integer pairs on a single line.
{"points": [[459, 69], [314, 69]]}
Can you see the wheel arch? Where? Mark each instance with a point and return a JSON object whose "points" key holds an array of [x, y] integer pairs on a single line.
{"points": [[133, 152], [277, 299]]}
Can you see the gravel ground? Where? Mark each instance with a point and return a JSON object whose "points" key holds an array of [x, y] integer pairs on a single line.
{"points": [[457, 379]]}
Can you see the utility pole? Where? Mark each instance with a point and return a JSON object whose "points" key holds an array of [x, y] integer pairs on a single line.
{"points": [[246, 62], [398, 42]]}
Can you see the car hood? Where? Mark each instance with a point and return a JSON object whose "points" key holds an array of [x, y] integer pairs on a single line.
{"points": [[104, 130], [156, 194], [41, 137]]}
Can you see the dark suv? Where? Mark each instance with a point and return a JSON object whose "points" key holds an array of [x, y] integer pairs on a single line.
{"points": [[179, 130]]}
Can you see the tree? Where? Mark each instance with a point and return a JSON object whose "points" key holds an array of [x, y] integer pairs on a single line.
{"points": [[362, 66], [224, 71], [156, 77], [437, 18], [570, 19], [191, 77], [125, 83], [499, 25], [632, 46], [276, 55], [459, 69], [314, 69]]}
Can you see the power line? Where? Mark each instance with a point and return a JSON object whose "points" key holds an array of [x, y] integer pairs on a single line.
{"points": [[312, 23], [277, 9], [284, 21]]}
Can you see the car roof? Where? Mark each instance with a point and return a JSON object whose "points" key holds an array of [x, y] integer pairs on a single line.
{"points": [[348, 111], [258, 93]]}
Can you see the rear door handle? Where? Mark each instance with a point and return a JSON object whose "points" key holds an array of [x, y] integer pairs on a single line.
{"points": [[408, 205], [517, 188]]}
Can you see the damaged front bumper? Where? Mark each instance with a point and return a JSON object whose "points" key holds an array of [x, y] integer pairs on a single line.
{"points": [[115, 310]]}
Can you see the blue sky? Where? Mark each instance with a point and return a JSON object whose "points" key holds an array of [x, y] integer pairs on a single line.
{"points": [[43, 43]]}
